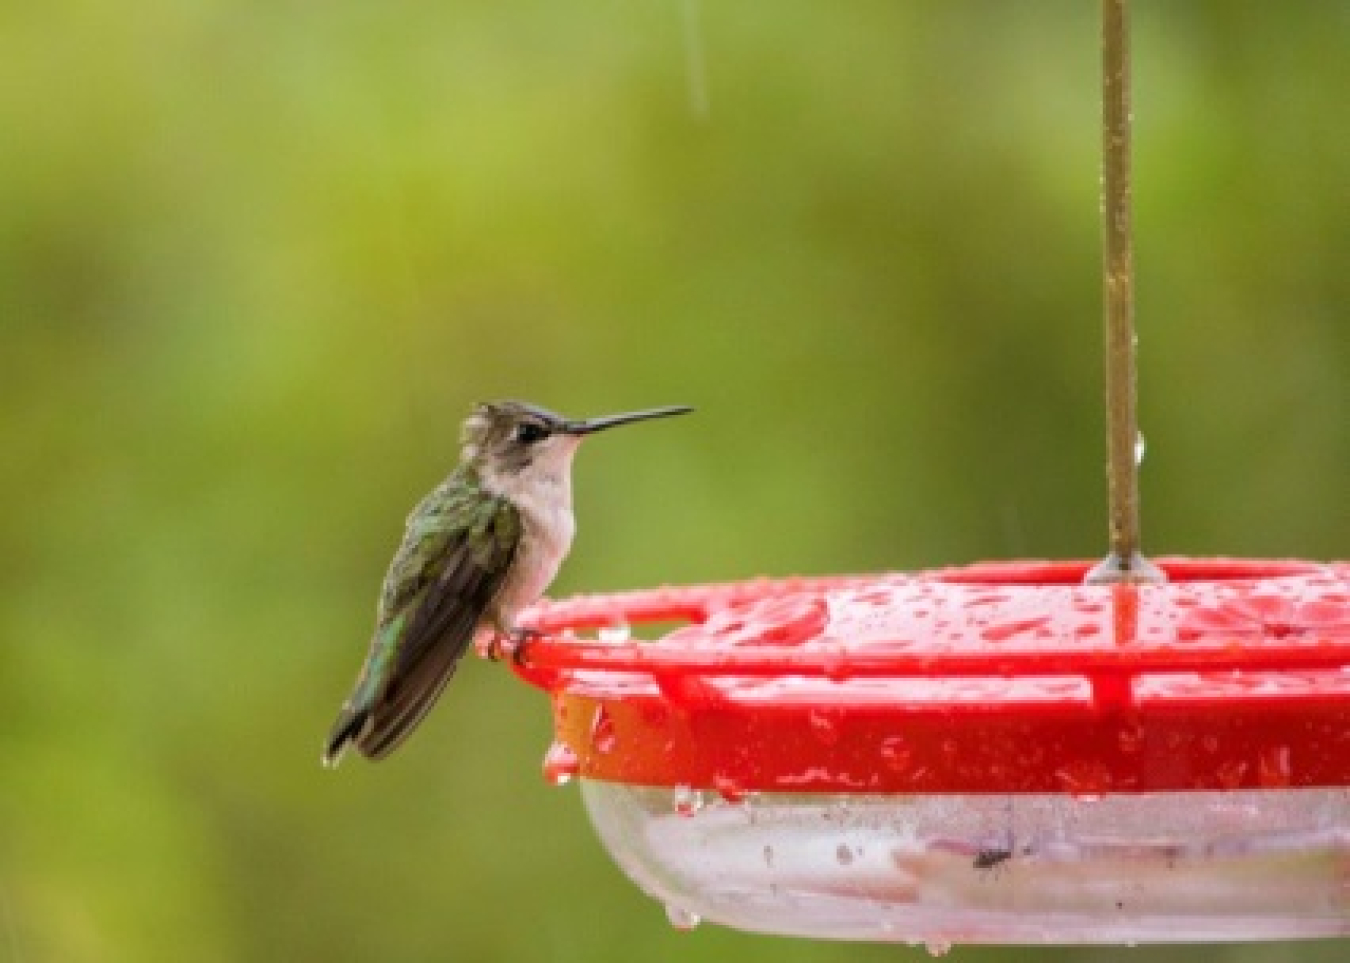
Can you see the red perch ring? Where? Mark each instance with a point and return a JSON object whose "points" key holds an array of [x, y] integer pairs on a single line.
{"points": [[993, 678]]}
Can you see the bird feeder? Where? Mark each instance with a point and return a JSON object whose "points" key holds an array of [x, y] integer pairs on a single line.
{"points": [[997, 753], [1021, 752]]}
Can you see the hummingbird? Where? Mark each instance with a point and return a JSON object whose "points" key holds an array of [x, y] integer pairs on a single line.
{"points": [[480, 548]]}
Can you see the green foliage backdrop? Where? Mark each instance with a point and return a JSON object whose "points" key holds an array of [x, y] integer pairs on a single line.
{"points": [[256, 260]]}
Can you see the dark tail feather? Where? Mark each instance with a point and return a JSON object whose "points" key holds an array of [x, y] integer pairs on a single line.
{"points": [[350, 725], [402, 713], [379, 729]]}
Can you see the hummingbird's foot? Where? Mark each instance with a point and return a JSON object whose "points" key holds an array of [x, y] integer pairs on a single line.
{"points": [[511, 644], [517, 642]]}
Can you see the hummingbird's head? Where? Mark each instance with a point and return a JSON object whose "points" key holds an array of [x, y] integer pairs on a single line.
{"points": [[506, 440]]}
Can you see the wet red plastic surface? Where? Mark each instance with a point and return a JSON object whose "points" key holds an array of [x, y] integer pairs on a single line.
{"points": [[1001, 677]]}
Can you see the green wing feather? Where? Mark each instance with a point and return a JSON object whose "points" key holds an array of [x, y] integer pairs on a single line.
{"points": [[459, 545]]}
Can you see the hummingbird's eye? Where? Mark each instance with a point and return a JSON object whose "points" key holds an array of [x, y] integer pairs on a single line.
{"points": [[528, 432]]}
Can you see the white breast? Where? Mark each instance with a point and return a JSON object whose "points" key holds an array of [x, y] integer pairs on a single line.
{"points": [[544, 501]]}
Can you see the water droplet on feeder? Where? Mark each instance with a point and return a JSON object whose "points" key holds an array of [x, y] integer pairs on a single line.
{"points": [[823, 727], [686, 800], [680, 918], [1084, 782], [896, 754], [1004, 631], [602, 731], [1273, 767], [728, 788], [843, 854], [835, 664], [614, 634], [1230, 774], [560, 764]]}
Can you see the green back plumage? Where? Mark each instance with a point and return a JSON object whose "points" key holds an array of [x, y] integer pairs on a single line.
{"points": [[457, 549]]}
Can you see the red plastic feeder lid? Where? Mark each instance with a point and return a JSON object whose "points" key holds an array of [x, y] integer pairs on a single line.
{"points": [[995, 678]]}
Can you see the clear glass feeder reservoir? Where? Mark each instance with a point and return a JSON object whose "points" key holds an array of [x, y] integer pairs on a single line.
{"points": [[994, 754]]}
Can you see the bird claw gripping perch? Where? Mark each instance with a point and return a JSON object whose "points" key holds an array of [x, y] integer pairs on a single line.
{"points": [[512, 645]]}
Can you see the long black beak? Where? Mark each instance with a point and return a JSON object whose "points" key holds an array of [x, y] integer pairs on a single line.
{"points": [[592, 425]]}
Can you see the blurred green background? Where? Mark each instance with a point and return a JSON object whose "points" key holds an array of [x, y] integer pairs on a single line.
{"points": [[257, 259]]}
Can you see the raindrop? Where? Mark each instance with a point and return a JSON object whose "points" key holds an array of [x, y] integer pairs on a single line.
{"points": [[560, 764], [680, 918], [896, 754], [602, 731], [843, 854], [1083, 783], [729, 788], [823, 727], [1273, 769], [768, 856], [686, 801], [614, 634], [1004, 631], [1230, 774], [836, 664]]}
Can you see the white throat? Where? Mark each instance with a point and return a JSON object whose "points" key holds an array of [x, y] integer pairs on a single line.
{"points": [[542, 494], [544, 487]]}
